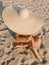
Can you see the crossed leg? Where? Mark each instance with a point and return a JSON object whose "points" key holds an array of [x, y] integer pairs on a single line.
{"points": [[34, 45]]}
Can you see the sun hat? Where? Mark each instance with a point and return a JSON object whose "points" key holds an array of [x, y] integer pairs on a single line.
{"points": [[21, 20]]}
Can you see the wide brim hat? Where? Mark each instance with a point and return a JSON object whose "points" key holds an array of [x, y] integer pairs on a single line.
{"points": [[21, 20]]}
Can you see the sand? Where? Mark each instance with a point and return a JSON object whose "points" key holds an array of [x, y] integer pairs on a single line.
{"points": [[11, 56]]}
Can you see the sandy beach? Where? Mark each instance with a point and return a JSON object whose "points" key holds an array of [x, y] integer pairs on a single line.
{"points": [[11, 56]]}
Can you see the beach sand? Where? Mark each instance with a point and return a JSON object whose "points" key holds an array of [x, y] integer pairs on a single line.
{"points": [[11, 56]]}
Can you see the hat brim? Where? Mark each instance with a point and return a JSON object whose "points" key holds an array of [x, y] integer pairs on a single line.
{"points": [[20, 25]]}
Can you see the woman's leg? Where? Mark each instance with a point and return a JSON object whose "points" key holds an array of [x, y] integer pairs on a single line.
{"points": [[34, 48]]}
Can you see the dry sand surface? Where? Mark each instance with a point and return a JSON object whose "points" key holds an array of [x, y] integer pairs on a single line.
{"points": [[10, 56]]}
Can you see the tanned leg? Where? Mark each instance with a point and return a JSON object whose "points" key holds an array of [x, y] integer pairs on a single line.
{"points": [[36, 52], [34, 48]]}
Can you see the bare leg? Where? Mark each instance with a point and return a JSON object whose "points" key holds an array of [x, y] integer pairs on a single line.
{"points": [[34, 48], [21, 46], [35, 51]]}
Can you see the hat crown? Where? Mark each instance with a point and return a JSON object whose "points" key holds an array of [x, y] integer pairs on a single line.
{"points": [[24, 12]]}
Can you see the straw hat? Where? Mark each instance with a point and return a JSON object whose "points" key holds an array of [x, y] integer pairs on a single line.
{"points": [[21, 21]]}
